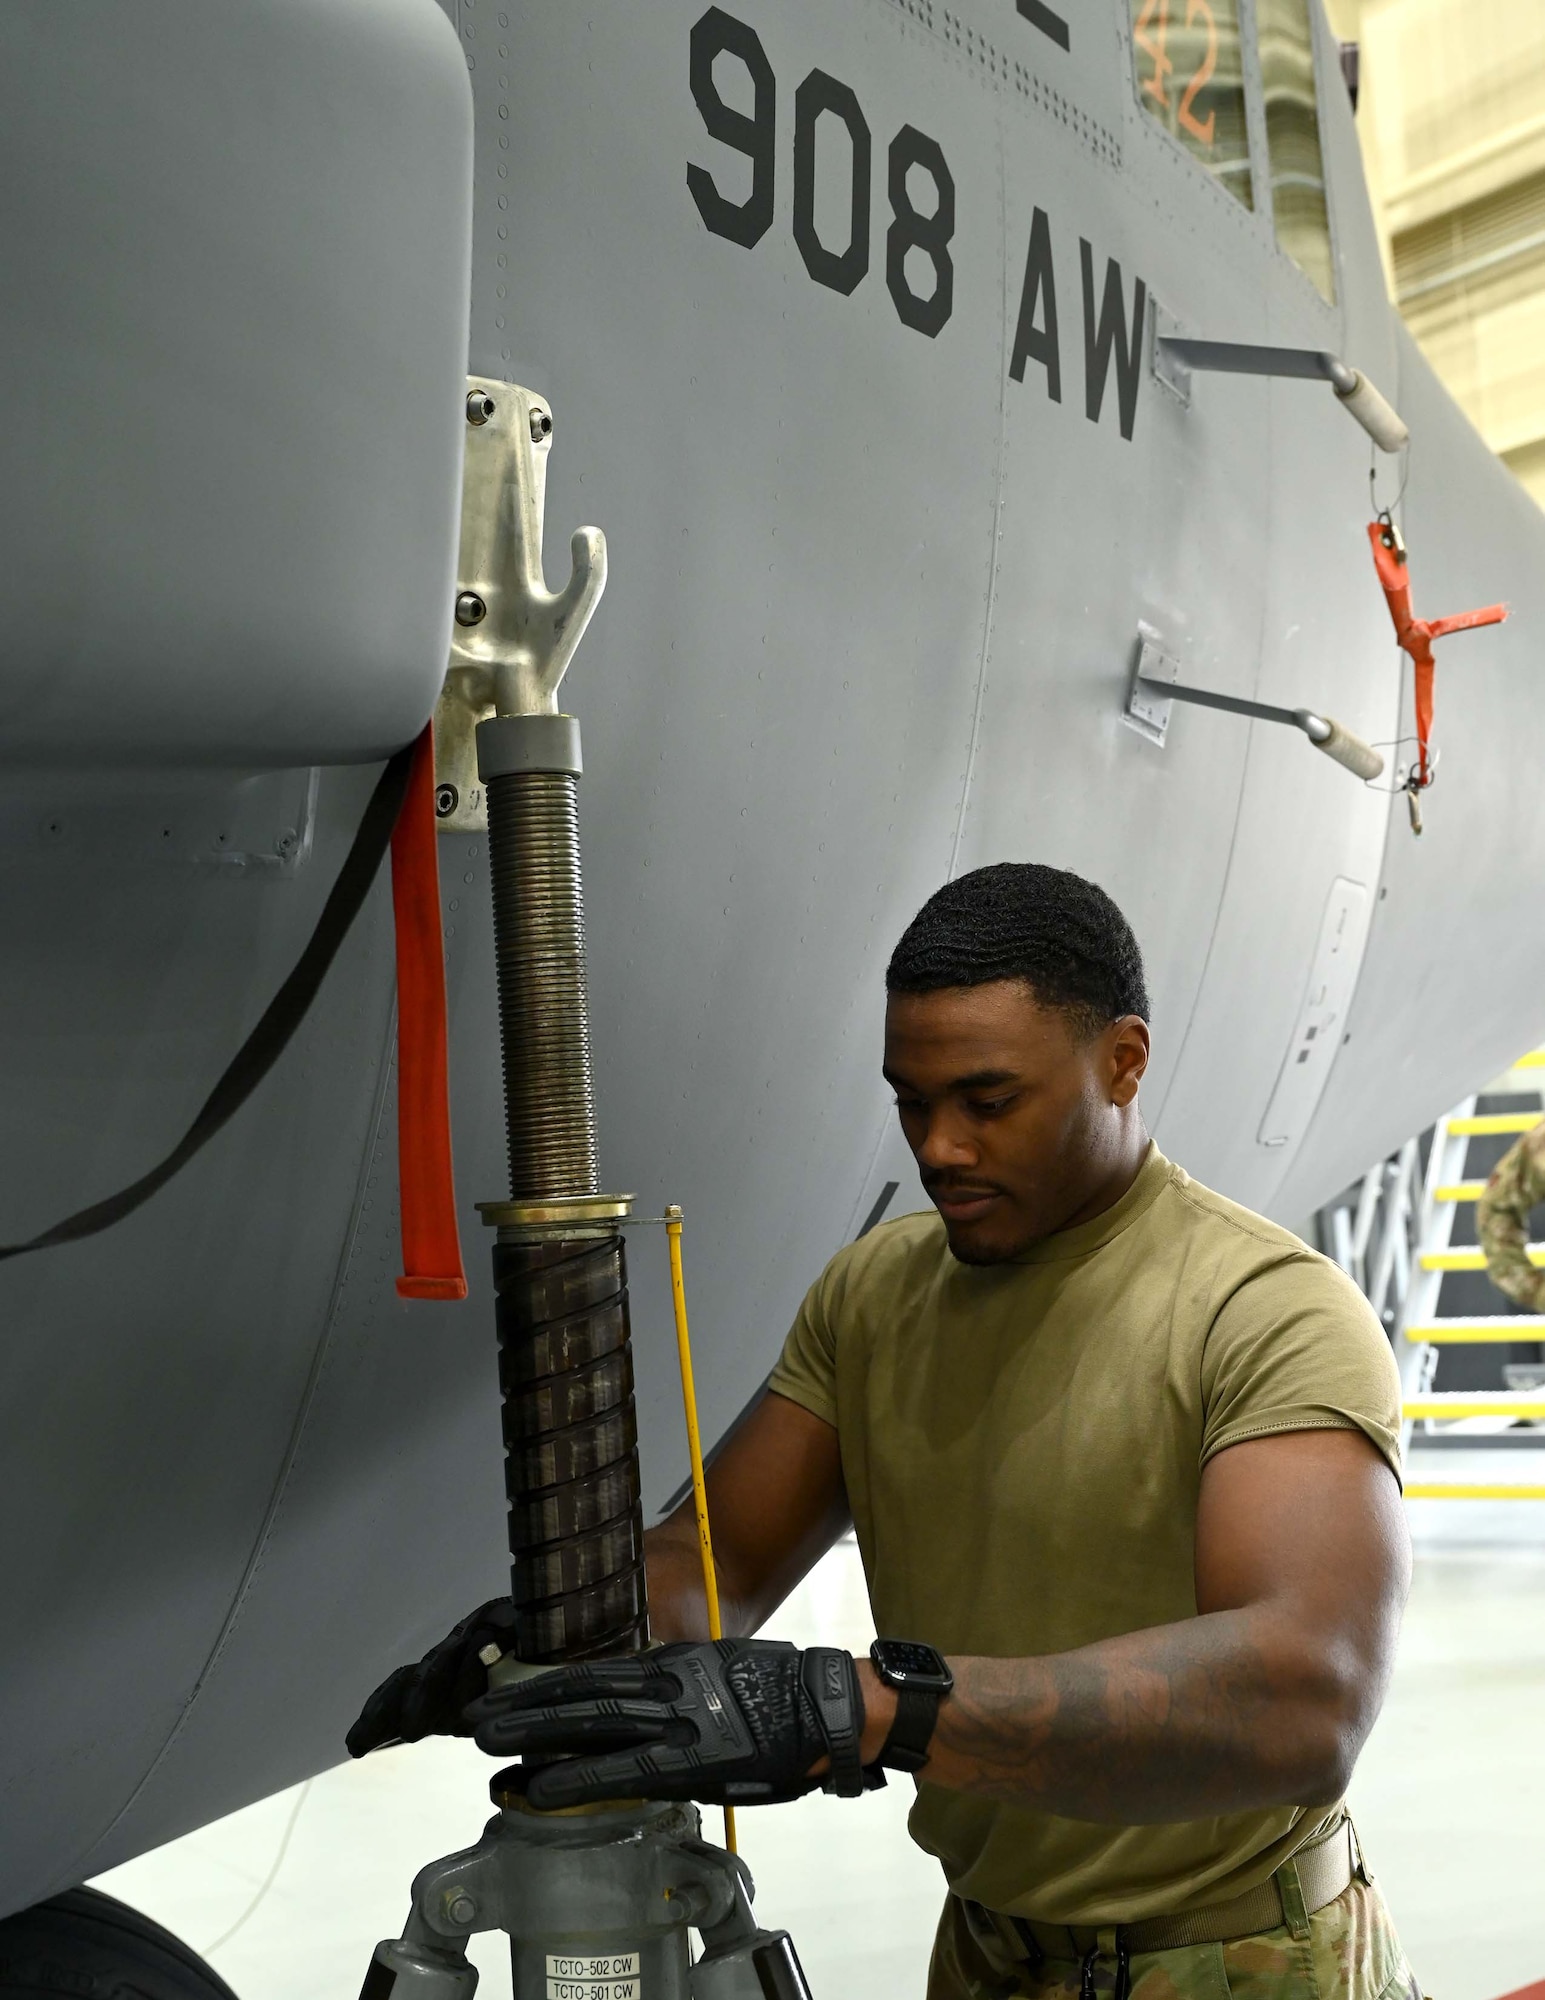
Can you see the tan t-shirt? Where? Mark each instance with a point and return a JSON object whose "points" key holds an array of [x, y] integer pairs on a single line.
{"points": [[1023, 1444]]}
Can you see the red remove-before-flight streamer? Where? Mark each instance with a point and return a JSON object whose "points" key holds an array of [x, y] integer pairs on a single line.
{"points": [[431, 1242]]}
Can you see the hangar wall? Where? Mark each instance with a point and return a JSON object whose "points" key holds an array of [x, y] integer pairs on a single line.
{"points": [[1452, 123]]}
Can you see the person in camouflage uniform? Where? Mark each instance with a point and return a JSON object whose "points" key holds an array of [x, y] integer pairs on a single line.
{"points": [[1516, 1186]]}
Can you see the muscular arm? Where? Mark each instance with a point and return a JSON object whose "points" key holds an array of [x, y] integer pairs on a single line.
{"points": [[1264, 1698], [776, 1504]]}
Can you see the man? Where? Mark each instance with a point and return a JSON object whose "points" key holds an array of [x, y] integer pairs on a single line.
{"points": [[1123, 1453], [1515, 1188]]}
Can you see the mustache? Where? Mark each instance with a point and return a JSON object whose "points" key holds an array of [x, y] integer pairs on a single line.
{"points": [[939, 1184]]}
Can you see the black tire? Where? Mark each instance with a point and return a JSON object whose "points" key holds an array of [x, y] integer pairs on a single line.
{"points": [[85, 1942]]}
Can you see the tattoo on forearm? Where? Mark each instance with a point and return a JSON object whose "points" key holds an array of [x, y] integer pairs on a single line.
{"points": [[1162, 1725]]}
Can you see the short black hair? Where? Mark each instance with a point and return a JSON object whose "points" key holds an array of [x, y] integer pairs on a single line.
{"points": [[1062, 936]]}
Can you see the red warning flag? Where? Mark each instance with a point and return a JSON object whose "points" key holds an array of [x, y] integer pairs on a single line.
{"points": [[431, 1243], [1415, 635]]}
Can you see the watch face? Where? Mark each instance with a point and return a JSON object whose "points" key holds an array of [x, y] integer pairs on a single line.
{"points": [[907, 1662]]}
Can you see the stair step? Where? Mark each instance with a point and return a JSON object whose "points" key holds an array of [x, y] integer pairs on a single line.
{"points": [[1423, 1489], [1498, 1327], [1460, 1191], [1443, 1403], [1470, 1260], [1490, 1124]]}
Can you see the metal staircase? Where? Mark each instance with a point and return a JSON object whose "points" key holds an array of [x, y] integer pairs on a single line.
{"points": [[1393, 1234]]}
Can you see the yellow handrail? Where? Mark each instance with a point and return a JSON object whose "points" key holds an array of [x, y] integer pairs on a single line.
{"points": [[673, 1221]]}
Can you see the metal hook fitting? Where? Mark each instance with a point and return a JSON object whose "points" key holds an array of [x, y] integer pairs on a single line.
{"points": [[520, 645]]}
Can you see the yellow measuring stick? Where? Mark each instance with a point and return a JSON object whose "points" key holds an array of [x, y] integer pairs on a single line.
{"points": [[673, 1221]]}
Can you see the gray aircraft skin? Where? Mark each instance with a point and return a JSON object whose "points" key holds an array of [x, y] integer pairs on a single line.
{"points": [[875, 597]]}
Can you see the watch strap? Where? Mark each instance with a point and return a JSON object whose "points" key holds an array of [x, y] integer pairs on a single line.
{"points": [[917, 1711], [831, 1681]]}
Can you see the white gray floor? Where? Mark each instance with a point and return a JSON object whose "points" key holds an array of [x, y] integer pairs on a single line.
{"points": [[1448, 1798], [1449, 1791]]}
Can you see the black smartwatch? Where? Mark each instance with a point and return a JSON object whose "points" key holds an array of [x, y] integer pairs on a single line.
{"points": [[921, 1679]]}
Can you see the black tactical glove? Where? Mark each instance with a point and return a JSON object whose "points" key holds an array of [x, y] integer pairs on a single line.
{"points": [[431, 1698], [726, 1722]]}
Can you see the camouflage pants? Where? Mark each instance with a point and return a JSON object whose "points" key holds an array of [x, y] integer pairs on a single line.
{"points": [[1351, 1953]]}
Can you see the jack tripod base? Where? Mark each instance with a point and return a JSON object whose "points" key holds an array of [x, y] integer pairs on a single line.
{"points": [[597, 1906]]}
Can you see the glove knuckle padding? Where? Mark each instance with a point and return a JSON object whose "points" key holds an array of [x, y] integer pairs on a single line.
{"points": [[717, 1722], [779, 1714]]}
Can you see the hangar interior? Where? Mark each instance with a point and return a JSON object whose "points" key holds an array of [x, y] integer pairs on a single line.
{"points": [[286, 1897]]}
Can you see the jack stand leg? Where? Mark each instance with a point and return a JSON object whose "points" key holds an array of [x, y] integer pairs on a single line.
{"points": [[742, 1962], [401, 1970], [597, 1906]]}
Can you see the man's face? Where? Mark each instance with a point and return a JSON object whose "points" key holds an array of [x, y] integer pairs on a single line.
{"points": [[1017, 1124]]}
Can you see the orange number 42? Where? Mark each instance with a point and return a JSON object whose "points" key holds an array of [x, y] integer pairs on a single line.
{"points": [[1199, 128], [1151, 34]]}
